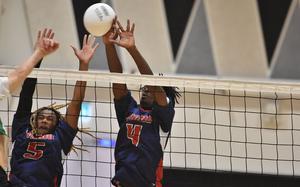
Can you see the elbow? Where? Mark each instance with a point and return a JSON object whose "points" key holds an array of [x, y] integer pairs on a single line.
{"points": [[164, 129], [15, 79], [166, 126]]}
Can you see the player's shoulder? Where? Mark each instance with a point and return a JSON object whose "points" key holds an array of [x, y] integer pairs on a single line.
{"points": [[65, 130]]}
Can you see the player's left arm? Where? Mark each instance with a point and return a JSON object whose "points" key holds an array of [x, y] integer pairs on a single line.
{"points": [[44, 44], [164, 115], [84, 56], [128, 42]]}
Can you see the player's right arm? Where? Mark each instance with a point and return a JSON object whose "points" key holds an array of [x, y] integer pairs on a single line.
{"points": [[127, 40], [114, 64]]}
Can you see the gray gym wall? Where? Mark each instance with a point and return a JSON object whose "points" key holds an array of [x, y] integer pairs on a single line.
{"points": [[218, 37]]}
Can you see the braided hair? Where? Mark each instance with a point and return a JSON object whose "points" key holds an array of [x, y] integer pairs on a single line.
{"points": [[172, 94]]}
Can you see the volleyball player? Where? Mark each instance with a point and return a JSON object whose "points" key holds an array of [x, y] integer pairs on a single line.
{"points": [[14, 80], [40, 137], [138, 151]]}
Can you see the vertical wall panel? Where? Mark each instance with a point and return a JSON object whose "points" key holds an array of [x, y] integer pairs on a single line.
{"points": [[15, 45], [195, 53], [236, 37], [273, 14], [285, 62], [0, 8], [177, 13], [56, 14]]}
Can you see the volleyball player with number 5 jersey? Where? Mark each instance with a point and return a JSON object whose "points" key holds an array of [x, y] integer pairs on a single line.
{"points": [[138, 151], [40, 137]]}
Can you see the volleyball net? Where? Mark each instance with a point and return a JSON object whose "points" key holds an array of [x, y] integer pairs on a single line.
{"points": [[219, 125]]}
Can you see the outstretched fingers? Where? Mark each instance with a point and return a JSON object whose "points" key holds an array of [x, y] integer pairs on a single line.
{"points": [[89, 40], [52, 35], [88, 49], [92, 40], [44, 33], [120, 26], [74, 49], [92, 43], [39, 35], [50, 43], [45, 42], [49, 32], [95, 46], [132, 28], [128, 26], [84, 42]]}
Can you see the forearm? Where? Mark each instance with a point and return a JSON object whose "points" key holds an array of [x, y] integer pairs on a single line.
{"points": [[159, 94], [17, 76], [113, 60], [144, 68], [141, 63], [80, 87], [79, 92], [115, 66], [74, 107], [25, 101]]}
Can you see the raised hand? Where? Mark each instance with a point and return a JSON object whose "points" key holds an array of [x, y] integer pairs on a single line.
{"points": [[45, 44], [89, 47], [126, 37], [112, 34]]}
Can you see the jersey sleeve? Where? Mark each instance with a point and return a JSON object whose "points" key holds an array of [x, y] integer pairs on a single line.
{"points": [[20, 125], [164, 115], [123, 106], [4, 91], [66, 135], [21, 119]]}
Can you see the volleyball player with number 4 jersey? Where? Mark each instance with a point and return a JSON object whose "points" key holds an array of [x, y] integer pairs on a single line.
{"points": [[40, 137], [10, 83], [138, 151]]}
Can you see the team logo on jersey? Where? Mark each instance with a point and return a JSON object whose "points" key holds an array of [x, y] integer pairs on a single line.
{"points": [[140, 118], [30, 135]]}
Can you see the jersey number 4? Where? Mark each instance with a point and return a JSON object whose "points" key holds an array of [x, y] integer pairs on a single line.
{"points": [[32, 152], [133, 133]]}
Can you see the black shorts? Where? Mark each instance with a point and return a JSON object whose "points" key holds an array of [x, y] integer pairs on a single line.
{"points": [[3, 178], [130, 178]]}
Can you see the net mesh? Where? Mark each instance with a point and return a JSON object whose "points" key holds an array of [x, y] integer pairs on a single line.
{"points": [[219, 125]]}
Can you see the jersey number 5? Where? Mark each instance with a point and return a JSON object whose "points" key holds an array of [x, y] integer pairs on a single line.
{"points": [[32, 152], [133, 133]]}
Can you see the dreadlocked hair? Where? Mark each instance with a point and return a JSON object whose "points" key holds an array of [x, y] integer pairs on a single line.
{"points": [[55, 107], [171, 92], [84, 131]]}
